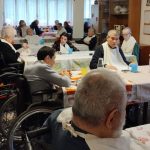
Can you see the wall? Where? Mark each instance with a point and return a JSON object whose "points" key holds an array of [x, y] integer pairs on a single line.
{"points": [[78, 15], [145, 28]]}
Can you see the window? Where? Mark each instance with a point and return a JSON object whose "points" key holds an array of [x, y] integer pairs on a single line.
{"points": [[46, 11]]}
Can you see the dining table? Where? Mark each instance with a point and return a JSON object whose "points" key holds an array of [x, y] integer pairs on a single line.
{"points": [[137, 87]]}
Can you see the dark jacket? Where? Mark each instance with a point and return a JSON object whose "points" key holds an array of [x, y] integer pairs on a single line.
{"points": [[58, 135], [99, 53], [35, 27], [10, 56], [92, 44], [56, 46]]}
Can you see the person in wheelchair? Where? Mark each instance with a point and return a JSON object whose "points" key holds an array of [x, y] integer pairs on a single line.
{"points": [[41, 75], [8, 50], [96, 117]]}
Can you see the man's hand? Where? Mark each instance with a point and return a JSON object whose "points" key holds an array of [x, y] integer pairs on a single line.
{"points": [[111, 67]]}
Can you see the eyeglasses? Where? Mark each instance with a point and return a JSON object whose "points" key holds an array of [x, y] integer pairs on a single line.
{"points": [[114, 38]]}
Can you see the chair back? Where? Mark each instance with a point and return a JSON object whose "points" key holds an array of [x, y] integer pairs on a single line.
{"points": [[136, 51], [2, 60], [24, 98]]}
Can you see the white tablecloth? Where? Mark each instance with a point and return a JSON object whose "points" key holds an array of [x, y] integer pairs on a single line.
{"points": [[140, 82], [73, 61]]}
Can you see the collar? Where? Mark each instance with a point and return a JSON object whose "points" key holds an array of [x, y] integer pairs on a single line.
{"points": [[111, 47]]}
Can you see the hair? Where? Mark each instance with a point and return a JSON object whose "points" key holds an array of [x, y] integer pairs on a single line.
{"points": [[34, 23], [8, 31], [22, 22], [93, 29], [44, 51], [60, 24], [112, 32], [56, 21], [127, 29], [64, 34], [97, 94], [66, 23]]}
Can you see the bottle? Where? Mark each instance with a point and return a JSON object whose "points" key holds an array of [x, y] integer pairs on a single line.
{"points": [[100, 63]]}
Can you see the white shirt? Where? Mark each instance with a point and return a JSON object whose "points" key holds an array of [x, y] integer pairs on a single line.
{"points": [[127, 46]]}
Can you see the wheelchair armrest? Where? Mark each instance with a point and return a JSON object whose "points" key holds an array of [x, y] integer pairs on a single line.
{"points": [[38, 132], [17, 64], [48, 91], [9, 69]]}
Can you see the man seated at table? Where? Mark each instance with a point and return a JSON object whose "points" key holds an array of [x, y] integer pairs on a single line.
{"points": [[41, 75], [90, 39], [128, 42], [60, 30], [63, 44], [112, 55], [96, 119]]}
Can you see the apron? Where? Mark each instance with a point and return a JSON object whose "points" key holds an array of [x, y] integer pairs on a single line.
{"points": [[124, 142]]}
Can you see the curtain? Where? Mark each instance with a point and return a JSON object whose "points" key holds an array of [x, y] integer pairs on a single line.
{"points": [[46, 11]]}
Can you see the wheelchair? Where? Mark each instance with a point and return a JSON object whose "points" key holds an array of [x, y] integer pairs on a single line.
{"points": [[22, 101]]}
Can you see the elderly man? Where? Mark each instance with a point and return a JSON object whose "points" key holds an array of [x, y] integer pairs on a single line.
{"points": [[60, 30], [90, 39], [97, 116], [110, 52], [128, 42]]}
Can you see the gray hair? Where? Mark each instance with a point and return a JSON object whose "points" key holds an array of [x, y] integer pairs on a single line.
{"points": [[8, 31], [112, 32], [127, 29], [98, 93]]}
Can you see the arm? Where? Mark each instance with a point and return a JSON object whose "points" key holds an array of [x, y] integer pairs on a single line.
{"points": [[72, 46], [92, 43], [99, 53], [53, 77], [123, 57]]}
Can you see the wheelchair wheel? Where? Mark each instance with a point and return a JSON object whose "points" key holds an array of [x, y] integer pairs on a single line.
{"points": [[7, 114], [28, 121]]}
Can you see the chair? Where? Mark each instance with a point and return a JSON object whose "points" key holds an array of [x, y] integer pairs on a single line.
{"points": [[136, 51], [11, 67], [21, 101]]}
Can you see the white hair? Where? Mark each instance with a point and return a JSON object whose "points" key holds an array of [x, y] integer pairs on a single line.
{"points": [[127, 29], [112, 33], [8, 31]]}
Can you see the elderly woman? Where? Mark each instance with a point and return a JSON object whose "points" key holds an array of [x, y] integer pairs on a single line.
{"points": [[7, 48], [63, 44], [22, 29]]}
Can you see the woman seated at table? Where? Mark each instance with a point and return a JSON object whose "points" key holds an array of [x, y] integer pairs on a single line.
{"points": [[90, 39], [22, 28], [8, 48], [35, 26], [63, 44]]}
